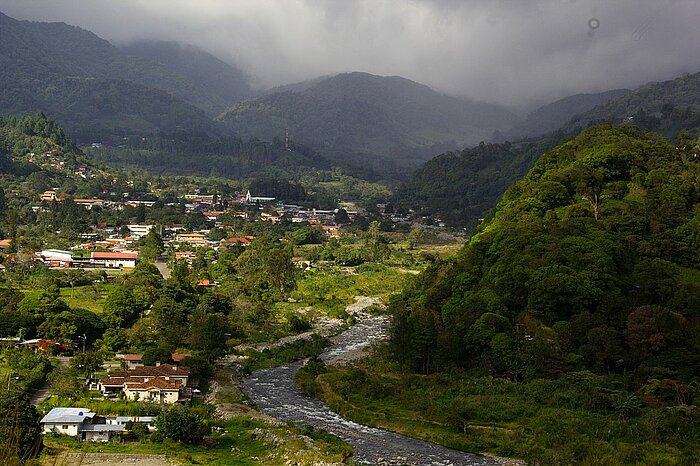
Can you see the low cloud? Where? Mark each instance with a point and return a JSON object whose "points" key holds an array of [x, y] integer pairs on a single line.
{"points": [[517, 53]]}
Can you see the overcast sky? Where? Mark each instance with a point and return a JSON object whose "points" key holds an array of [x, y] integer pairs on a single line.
{"points": [[514, 52]]}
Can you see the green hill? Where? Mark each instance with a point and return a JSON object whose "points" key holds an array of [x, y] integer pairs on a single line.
{"points": [[589, 262], [36, 155], [90, 86], [362, 116]]}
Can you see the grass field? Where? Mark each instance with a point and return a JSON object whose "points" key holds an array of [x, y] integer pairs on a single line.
{"points": [[332, 288], [90, 297]]}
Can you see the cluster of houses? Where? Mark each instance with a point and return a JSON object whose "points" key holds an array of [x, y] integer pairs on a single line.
{"points": [[110, 247], [53, 160], [85, 425], [210, 205], [162, 383]]}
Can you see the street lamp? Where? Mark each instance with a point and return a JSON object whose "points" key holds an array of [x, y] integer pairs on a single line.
{"points": [[83, 337]]}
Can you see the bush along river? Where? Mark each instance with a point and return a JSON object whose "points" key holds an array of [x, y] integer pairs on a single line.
{"points": [[276, 394]]}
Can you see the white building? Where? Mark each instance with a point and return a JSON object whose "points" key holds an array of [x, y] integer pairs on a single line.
{"points": [[114, 260], [150, 421], [139, 231], [257, 199], [66, 421], [55, 257], [87, 426]]}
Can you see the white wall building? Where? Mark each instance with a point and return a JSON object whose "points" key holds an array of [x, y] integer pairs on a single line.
{"points": [[139, 231]]}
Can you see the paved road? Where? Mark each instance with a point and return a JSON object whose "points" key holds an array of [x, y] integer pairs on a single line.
{"points": [[162, 267], [44, 392], [275, 392]]}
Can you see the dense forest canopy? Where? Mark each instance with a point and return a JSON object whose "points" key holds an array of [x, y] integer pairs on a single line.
{"points": [[589, 262]]}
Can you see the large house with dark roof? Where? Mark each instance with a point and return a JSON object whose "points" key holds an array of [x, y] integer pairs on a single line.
{"points": [[161, 384]]}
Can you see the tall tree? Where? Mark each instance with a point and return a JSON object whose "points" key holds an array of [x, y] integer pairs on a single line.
{"points": [[267, 269], [375, 247], [20, 434], [182, 424], [151, 246]]}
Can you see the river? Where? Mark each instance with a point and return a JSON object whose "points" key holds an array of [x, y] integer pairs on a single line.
{"points": [[276, 394]]}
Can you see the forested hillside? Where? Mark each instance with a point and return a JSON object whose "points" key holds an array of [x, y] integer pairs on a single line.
{"points": [[665, 107], [550, 117], [589, 262], [364, 116], [92, 88], [228, 157], [21, 139], [216, 84], [461, 187]]}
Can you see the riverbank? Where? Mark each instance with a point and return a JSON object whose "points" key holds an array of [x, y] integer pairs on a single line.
{"points": [[574, 420]]}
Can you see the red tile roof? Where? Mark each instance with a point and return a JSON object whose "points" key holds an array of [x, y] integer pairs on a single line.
{"points": [[178, 357], [119, 381], [242, 240], [133, 357], [157, 382], [164, 370]]}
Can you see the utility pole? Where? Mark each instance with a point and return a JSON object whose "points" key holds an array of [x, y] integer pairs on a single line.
{"points": [[9, 377]]}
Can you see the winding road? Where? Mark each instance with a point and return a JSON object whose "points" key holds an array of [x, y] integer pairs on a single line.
{"points": [[276, 394]]}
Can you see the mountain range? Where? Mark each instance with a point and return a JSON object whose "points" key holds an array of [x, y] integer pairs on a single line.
{"points": [[388, 125], [360, 113], [676, 101], [461, 187]]}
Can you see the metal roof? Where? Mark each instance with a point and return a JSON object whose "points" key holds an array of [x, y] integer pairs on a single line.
{"points": [[125, 419], [102, 428], [67, 415]]}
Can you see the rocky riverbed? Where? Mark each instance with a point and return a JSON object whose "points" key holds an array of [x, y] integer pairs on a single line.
{"points": [[276, 394]]}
